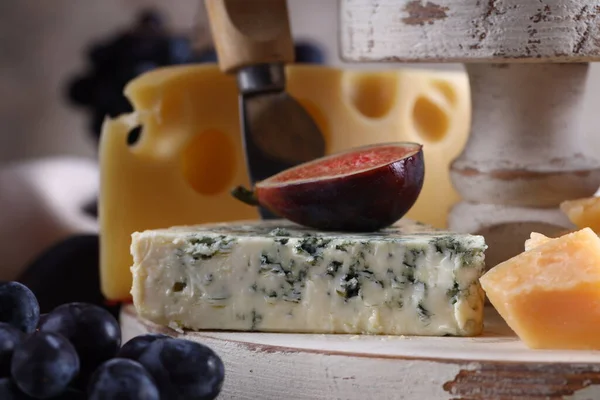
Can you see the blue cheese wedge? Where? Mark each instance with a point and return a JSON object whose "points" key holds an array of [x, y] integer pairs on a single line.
{"points": [[276, 276]]}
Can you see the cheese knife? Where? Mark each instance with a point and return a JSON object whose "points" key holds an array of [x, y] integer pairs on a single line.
{"points": [[253, 40]]}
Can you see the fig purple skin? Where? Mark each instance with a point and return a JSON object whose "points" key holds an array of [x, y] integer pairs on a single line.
{"points": [[363, 201]]}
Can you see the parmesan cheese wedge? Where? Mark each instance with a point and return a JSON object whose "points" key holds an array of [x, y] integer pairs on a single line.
{"points": [[550, 294]]}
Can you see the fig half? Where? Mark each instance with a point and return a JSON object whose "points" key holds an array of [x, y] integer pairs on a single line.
{"points": [[363, 189]]}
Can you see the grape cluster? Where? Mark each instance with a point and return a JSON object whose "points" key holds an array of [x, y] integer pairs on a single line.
{"points": [[116, 61], [74, 353], [148, 45]]}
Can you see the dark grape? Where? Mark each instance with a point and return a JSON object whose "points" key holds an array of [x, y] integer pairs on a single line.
{"points": [[119, 59], [180, 50], [10, 337], [150, 20], [144, 67], [309, 53], [81, 90], [183, 369], [122, 379], [106, 97], [91, 208], [67, 272], [71, 394], [10, 391], [207, 56], [116, 53], [44, 364], [147, 45], [101, 54], [18, 306], [41, 320], [94, 333], [149, 48], [134, 348], [97, 120]]}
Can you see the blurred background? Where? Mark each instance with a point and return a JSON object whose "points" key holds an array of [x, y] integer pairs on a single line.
{"points": [[44, 43]]}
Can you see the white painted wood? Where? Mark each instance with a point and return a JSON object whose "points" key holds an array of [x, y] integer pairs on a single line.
{"points": [[470, 30], [525, 155], [527, 147], [495, 365], [506, 228], [473, 217]]}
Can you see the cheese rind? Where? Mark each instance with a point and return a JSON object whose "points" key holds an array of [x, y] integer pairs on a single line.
{"points": [[277, 276]]}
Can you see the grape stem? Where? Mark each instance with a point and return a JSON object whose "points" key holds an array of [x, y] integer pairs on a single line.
{"points": [[245, 195]]}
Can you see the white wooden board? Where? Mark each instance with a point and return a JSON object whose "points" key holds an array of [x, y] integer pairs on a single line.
{"points": [[496, 365], [470, 31]]}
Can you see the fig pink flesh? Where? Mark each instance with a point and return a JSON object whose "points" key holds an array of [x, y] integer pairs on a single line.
{"points": [[360, 190], [351, 162]]}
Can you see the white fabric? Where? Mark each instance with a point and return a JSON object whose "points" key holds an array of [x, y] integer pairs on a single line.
{"points": [[41, 202]]}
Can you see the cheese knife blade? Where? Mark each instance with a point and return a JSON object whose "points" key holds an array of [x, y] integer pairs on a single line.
{"points": [[277, 131], [253, 40]]}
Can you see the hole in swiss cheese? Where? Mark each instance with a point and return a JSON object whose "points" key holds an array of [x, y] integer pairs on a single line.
{"points": [[430, 120], [209, 162], [373, 94], [134, 135]]}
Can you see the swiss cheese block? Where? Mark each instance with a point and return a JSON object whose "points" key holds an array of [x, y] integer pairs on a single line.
{"points": [[277, 276], [550, 294], [190, 155], [584, 213]]}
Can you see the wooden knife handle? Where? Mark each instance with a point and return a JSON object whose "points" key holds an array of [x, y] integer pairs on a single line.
{"points": [[249, 32]]}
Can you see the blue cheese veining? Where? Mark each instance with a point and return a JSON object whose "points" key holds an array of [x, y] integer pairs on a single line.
{"points": [[276, 276]]}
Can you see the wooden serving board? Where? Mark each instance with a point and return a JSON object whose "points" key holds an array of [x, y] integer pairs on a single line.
{"points": [[496, 365]]}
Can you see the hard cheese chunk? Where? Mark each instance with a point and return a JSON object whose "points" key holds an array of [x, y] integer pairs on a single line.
{"points": [[584, 213], [189, 154], [276, 276], [535, 240], [550, 294]]}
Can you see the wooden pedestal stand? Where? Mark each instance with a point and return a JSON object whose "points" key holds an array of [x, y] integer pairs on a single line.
{"points": [[527, 64]]}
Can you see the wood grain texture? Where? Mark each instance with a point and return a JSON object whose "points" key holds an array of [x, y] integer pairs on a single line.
{"points": [[470, 31], [250, 32], [494, 366]]}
